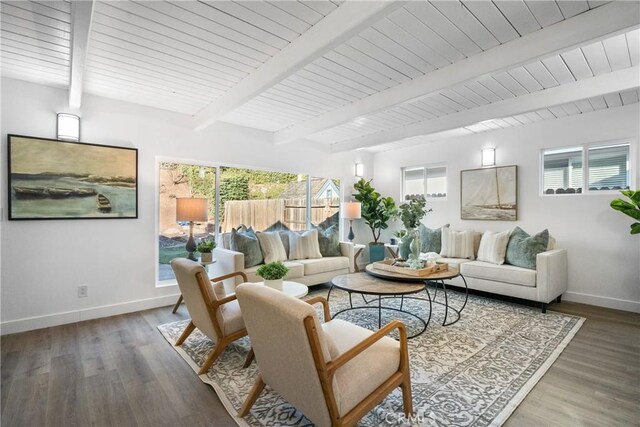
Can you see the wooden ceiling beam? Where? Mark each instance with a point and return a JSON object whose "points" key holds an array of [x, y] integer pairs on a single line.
{"points": [[606, 20], [81, 19], [336, 28], [617, 81]]}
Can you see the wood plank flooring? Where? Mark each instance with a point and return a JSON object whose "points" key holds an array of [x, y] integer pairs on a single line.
{"points": [[119, 371]]}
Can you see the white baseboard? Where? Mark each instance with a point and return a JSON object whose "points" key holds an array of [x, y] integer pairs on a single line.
{"points": [[615, 303], [31, 323]]}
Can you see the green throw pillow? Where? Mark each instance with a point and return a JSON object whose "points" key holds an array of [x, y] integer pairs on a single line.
{"points": [[522, 248], [246, 241], [431, 239], [329, 241]]}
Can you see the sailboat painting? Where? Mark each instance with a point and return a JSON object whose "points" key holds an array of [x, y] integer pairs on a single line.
{"points": [[489, 194]]}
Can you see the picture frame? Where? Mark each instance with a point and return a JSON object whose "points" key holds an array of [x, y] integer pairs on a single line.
{"points": [[489, 193], [54, 179]]}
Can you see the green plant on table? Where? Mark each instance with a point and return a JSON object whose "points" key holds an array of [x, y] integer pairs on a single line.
{"points": [[412, 212], [376, 210], [400, 233], [630, 208], [272, 271], [206, 246]]}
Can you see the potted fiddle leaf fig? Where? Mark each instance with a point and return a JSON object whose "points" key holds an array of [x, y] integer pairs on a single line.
{"points": [[630, 207], [376, 211], [205, 247], [273, 273]]}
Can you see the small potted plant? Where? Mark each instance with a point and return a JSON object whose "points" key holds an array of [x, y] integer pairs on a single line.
{"points": [[397, 236], [273, 273], [205, 247]]}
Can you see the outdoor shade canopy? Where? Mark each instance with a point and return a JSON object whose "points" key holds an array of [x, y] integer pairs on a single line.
{"points": [[351, 210], [191, 209]]}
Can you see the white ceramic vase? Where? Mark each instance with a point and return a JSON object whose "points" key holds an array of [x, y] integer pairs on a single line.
{"points": [[275, 284], [206, 257]]}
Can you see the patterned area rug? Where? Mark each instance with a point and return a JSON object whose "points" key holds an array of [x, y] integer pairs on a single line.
{"points": [[472, 373]]}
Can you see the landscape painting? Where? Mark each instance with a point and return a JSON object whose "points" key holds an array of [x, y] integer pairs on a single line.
{"points": [[51, 179], [489, 194]]}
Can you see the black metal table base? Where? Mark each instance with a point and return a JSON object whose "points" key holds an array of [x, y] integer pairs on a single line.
{"points": [[381, 307], [446, 305]]}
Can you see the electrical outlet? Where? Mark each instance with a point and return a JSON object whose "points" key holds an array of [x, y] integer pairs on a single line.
{"points": [[83, 291]]}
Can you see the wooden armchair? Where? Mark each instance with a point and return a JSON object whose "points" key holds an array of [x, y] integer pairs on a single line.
{"points": [[217, 315], [334, 373]]}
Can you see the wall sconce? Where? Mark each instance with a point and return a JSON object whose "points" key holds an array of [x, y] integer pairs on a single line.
{"points": [[68, 127], [359, 170], [488, 157]]}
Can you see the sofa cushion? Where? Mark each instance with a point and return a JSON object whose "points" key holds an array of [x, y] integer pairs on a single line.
{"points": [[304, 246], [493, 247], [453, 262], [246, 241], [458, 244], [431, 238], [296, 270], [272, 247], [329, 241], [523, 249], [499, 273], [324, 265]]}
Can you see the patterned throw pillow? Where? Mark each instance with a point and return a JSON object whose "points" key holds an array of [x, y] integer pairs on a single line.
{"points": [[493, 247], [246, 241], [329, 241], [304, 246], [431, 239], [457, 244], [523, 249], [272, 247]]}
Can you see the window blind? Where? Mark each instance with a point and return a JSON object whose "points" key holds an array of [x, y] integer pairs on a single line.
{"points": [[608, 167]]}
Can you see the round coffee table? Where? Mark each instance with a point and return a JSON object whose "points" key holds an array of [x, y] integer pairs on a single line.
{"points": [[364, 284], [435, 279]]}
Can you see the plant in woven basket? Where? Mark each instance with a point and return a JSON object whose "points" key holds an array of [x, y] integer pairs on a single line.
{"points": [[272, 271], [630, 208]]}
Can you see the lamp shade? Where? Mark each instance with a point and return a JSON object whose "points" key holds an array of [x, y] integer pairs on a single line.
{"points": [[68, 127], [351, 210], [191, 209]]}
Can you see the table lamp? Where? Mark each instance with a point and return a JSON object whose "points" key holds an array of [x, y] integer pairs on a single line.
{"points": [[191, 209], [351, 211]]}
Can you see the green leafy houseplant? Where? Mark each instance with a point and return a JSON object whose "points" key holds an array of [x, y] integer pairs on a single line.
{"points": [[630, 208], [376, 210], [272, 271], [412, 212], [206, 246]]}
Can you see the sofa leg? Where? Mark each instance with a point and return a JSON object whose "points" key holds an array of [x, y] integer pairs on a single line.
{"points": [[544, 307], [559, 299]]}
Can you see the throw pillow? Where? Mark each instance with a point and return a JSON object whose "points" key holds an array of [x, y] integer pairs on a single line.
{"points": [[493, 247], [523, 248], [329, 241], [304, 246], [431, 239], [246, 242], [284, 236], [457, 244], [272, 247]]}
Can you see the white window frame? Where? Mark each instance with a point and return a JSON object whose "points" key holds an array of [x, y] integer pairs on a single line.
{"points": [[585, 166], [424, 177]]}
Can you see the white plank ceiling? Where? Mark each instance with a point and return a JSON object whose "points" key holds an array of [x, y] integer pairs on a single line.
{"points": [[182, 56]]}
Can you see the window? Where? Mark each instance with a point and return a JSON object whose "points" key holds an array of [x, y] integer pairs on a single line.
{"points": [[426, 180], [589, 168], [325, 202]]}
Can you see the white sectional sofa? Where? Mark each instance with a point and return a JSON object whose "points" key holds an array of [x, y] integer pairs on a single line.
{"points": [[544, 284], [306, 271]]}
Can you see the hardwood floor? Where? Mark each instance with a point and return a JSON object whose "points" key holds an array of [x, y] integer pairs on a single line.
{"points": [[119, 371]]}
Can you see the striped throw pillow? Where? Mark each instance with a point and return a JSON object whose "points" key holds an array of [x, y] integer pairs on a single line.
{"points": [[304, 246], [493, 247], [457, 244]]}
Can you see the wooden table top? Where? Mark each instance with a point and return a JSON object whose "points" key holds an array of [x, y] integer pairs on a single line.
{"points": [[440, 275], [363, 283]]}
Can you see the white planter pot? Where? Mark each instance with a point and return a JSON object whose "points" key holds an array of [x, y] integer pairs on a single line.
{"points": [[275, 284], [206, 257]]}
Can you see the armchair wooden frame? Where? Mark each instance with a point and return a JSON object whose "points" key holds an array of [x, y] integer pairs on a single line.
{"points": [[327, 370], [222, 340]]}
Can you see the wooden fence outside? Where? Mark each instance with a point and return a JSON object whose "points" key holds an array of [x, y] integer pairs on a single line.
{"points": [[263, 214]]}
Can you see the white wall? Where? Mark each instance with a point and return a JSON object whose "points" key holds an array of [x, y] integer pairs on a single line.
{"points": [[604, 259], [43, 262]]}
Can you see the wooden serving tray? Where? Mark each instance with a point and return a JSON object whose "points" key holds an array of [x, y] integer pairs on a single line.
{"points": [[386, 265]]}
